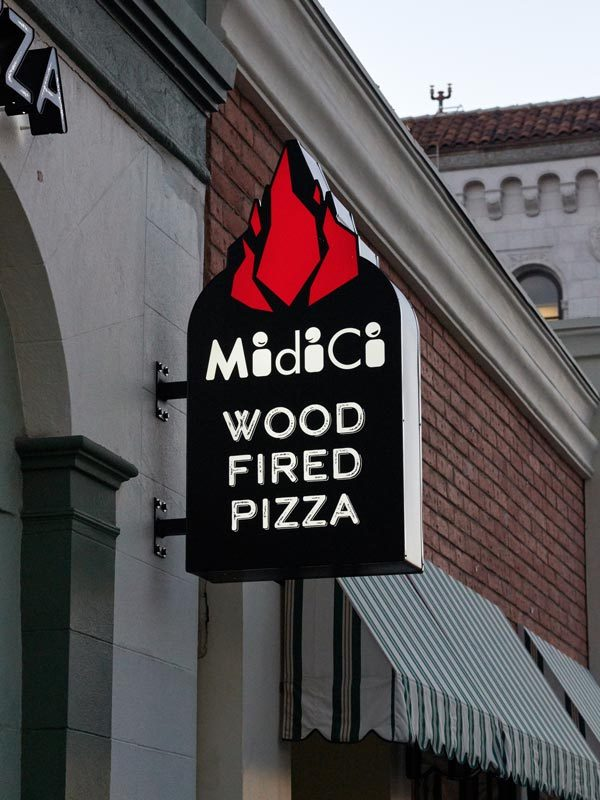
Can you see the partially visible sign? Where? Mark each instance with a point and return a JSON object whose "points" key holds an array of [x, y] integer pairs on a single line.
{"points": [[29, 79], [304, 455]]}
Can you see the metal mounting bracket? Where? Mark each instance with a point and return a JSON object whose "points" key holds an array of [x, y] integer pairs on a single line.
{"points": [[166, 390], [165, 527]]}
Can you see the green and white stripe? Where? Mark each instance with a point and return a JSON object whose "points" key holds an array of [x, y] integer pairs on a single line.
{"points": [[346, 669], [292, 665], [574, 685], [336, 680], [460, 683]]}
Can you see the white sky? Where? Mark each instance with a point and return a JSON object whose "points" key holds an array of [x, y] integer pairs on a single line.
{"points": [[494, 54]]}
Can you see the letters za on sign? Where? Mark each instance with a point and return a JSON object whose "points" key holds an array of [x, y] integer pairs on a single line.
{"points": [[30, 80]]}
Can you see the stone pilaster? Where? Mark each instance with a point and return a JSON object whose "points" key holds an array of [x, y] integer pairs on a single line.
{"points": [[67, 597]]}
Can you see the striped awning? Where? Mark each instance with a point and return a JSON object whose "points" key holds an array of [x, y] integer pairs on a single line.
{"points": [[572, 683], [424, 659]]}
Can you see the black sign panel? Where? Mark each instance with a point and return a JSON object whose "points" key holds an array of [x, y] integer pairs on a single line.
{"points": [[30, 80], [296, 438]]}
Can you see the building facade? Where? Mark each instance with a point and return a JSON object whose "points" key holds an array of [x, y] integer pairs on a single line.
{"points": [[504, 499]]}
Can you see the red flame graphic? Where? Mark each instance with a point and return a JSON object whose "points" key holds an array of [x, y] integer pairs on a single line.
{"points": [[294, 240]]}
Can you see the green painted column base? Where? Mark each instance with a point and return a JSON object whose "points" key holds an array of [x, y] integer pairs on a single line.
{"points": [[67, 604]]}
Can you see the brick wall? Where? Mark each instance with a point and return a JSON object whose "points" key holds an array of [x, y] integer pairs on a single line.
{"points": [[503, 512]]}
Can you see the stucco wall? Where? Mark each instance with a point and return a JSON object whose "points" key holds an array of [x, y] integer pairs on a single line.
{"points": [[115, 225], [503, 512]]}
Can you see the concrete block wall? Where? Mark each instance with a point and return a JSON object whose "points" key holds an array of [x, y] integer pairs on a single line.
{"points": [[116, 227], [156, 601], [504, 513]]}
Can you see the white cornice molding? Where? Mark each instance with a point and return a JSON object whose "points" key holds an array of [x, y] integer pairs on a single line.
{"points": [[295, 59]]}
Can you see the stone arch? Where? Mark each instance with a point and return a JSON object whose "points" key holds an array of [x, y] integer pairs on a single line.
{"points": [[540, 263], [27, 296], [539, 268], [512, 195], [550, 194], [588, 193], [474, 195]]}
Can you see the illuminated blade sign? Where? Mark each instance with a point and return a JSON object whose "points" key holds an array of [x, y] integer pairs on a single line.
{"points": [[304, 449], [30, 80]]}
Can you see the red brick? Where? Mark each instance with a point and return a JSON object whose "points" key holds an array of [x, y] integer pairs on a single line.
{"points": [[240, 121], [227, 189], [265, 150], [233, 222], [255, 165]]}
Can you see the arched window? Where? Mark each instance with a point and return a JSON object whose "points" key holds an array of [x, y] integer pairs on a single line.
{"points": [[543, 289]]}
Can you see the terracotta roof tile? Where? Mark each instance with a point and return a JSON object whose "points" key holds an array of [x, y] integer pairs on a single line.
{"points": [[502, 127]]}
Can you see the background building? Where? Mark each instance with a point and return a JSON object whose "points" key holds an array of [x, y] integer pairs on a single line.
{"points": [[528, 177]]}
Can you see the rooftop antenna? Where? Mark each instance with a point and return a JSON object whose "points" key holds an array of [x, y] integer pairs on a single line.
{"points": [[440, 97]]}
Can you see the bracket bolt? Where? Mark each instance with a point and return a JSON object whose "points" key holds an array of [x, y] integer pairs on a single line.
{"points": [[160, 505], [162, 414]]}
